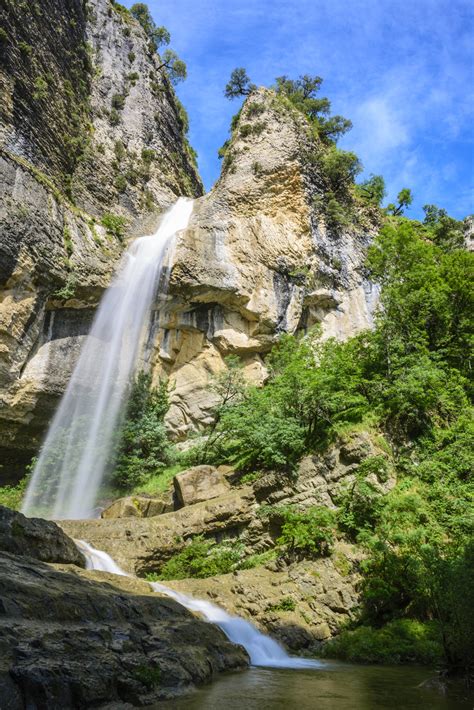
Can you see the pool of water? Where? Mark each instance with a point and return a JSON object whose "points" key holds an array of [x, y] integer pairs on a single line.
{"points": [[333, 686]]}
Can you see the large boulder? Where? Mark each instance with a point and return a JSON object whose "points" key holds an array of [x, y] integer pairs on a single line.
{"points": [[34, 537], [78, 640], [198, 484], [139, 507]]}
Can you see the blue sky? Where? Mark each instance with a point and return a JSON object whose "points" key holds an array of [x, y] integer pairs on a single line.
{"points": [[401, 71]]}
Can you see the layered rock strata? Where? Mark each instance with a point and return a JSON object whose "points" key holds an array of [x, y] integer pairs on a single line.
{"points": [[92, 149], [77, 639]]}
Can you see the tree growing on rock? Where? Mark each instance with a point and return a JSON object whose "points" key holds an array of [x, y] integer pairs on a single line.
{"points": [[405, 198], [239, 84], [303, 94], [158, 37]]}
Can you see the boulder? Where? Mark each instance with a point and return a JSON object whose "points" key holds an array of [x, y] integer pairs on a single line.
{"points": [[83, 639], [200, 483], [34, 537], [139, 507]]}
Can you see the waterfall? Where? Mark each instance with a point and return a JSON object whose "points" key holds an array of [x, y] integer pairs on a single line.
{"points": [[262, 650], [78, 448]]}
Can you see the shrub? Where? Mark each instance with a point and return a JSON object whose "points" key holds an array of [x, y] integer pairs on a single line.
{"points": [[114, 117], [118, 101], [121, 183], [12, 496], [131, 57], [114, 224], [201, 558], [310, 532], [401, 641], [148, 155], [144, 448]]}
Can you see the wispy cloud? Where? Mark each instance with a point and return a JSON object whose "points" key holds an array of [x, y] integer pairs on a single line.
{"points": [[403, 72]]}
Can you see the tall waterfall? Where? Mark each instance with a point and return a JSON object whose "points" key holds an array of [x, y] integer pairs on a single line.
{"points": [[262, 650], [80, 441]]}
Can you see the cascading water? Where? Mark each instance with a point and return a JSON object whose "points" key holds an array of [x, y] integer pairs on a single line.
{"points": [[262, 650], [81, 438]]}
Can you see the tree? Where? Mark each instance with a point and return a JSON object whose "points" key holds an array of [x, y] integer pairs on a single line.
{"points": [[303, 94], [405, 198], [239, 84], [158, 36], [175, 67], [144, 448], [373, 189]]}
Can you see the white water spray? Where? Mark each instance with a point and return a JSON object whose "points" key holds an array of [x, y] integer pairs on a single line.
{"points": [[262, 650], [77, 450]]}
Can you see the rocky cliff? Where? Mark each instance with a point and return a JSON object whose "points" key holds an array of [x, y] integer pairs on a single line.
{"points": [[259, 258], [92, 148]]}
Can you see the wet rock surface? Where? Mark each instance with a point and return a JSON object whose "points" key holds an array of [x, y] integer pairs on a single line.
{"points": [[70, 638]]}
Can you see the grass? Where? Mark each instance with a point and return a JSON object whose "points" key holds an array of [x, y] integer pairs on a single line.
{"points": [[12, 496], [159, 483]]}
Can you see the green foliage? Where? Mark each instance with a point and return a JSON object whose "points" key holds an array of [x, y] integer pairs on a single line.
{"points": [[373, 189], [303, 94], [201, 558], [12, 496], [120, 183], [114, 117], [131, 57], [114, 224], [285, 604], [148, 155], [40, 88], [401, 641], [405, 198], [68, 290], [252, 129], [118, 102], [308, 533], [176, 70], [341, 168], [158, 36], [239, 84], [144, 449]]}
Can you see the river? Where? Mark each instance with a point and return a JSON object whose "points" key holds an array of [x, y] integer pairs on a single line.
{"points": [[334, 686]]}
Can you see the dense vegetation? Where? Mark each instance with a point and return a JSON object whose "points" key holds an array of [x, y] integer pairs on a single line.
{"points": [[410, 378]]}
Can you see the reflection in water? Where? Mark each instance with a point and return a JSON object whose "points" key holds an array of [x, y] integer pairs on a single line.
{"points": [[336, 686]]}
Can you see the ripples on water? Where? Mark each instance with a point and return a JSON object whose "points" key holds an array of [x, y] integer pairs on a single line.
{"points": [[335, 686]]}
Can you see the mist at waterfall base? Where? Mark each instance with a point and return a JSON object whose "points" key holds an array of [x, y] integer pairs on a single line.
{"points": [[78, 448], [262, 650]]}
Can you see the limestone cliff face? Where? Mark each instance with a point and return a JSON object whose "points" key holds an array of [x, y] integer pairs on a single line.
{"points": [[88, 125], [258, 259]]}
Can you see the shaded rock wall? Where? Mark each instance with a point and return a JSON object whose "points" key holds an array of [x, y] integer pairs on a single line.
{"points": [[77, 639], [67, 156]]}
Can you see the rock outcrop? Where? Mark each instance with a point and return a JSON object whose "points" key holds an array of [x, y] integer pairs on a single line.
{"points": [[77, 639], [302, 602], [41, 539], [89, 126], [259, 258]]}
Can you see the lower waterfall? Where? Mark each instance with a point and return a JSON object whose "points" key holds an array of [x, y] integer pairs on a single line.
{"points": [[262, 650]]}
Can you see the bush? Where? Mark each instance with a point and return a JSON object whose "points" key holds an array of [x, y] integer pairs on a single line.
{"points": [[118, 102], [201, 558], [12, 496], [310, 532], [401, 641], [144, 449], [114, 224]]}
